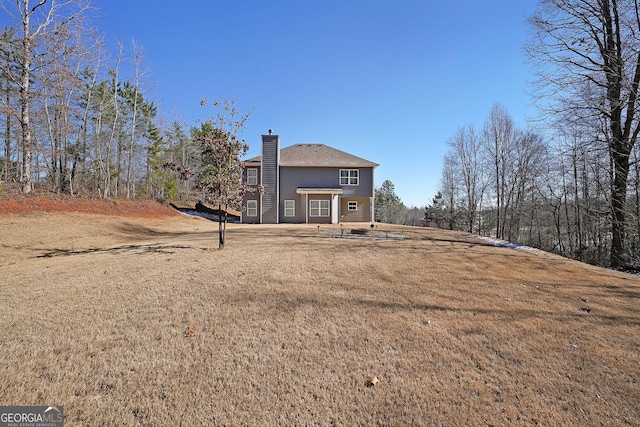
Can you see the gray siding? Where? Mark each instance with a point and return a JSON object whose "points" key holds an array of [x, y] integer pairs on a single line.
{"points": [[246, 219], [362, 214], [250, 196], [299, 208], [269, 179], [292, 178]]}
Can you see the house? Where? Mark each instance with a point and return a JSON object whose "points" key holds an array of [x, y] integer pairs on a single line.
{"points": [[307, 183]]}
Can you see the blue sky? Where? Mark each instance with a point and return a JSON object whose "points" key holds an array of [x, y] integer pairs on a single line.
{"points": [[389, 81]]}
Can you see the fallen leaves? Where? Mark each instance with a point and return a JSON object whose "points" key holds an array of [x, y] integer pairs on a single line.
{"points": [[373, 381]]}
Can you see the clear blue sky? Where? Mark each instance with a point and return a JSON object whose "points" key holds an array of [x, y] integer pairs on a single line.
{"points": [[389, 81]]}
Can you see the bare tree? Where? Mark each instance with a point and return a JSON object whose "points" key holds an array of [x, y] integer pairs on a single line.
{"points": [[588, 57], [527, 156], [466, 150], [79, 170], [635, 248], [413, 216], [504, 163], [59, 93], [35, 20], [140, 70], [8, 47], [449, 184], [499, 140]]}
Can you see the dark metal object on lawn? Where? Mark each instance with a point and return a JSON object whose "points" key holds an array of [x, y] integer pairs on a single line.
{"points": [[359, 231]]}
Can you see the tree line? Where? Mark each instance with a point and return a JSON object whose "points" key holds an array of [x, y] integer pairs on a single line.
{"points": [[573, 186], [552, 193], [390, 209], [77, 115]]}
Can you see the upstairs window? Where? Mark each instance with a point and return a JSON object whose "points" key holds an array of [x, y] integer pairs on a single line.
{"points": [[252, 176], [349, 177]]}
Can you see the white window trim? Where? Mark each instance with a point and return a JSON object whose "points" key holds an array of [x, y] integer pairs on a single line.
{"points": [[291, 208], [252, 205], [352, 178], [252, 180], [319, 210], [352, 205]]}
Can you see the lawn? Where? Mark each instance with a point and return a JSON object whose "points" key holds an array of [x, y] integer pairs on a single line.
{"points": [[287, 324]]}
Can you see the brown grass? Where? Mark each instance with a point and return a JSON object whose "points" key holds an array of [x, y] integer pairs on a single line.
{"points": [[289, 324]]}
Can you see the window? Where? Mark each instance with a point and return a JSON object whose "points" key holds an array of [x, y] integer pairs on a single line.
{"points": [[289, 208], [318, 208], [252, 176], [252, 208], [352, 205], [349, 176]]}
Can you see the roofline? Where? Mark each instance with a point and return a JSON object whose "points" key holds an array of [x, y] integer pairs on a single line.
{"points": [[364, 163], [306, 190], [343, 166]]}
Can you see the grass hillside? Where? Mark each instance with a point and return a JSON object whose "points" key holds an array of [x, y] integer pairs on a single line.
{"points": [[139, 320]]}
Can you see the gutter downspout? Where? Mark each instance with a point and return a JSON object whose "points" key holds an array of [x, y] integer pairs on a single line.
{"points": [[261, 193], [372, 213]]}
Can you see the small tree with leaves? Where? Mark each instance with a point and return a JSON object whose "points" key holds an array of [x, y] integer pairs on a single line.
{"points": [[219, 178]]}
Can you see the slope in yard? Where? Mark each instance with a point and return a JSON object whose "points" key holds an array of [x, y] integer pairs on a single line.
{"points": [[55, 203], [129, 321]]}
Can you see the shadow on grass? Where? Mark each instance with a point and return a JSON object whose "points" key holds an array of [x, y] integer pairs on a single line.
{"points": [[364, 239], [622, 292], [504, 313], [139, 249], [141, 231], [507, 314]]}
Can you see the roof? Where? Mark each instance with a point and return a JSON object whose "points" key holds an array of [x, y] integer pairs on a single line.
{"points": [[306, 190], [318, 155]]}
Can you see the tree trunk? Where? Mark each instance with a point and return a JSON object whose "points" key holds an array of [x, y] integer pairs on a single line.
{"points": [[637, 211], [619, 256], [8, 170], [221, 227], [132, 141], [27, 150]]}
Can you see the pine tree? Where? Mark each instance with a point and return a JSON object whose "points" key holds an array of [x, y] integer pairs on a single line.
{"points": [[389, 207]]}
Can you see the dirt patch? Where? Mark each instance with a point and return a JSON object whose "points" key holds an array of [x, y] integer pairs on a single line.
{"points": [[51, 203]]}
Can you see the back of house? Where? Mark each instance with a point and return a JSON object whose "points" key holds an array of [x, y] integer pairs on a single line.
{"points": [[308, 183]]}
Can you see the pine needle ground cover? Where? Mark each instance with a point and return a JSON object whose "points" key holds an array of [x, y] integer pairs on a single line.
{"points": [[141, 321]]}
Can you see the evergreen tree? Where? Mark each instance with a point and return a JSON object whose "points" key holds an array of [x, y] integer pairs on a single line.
{"points": [[436, 211], [388, 206]]}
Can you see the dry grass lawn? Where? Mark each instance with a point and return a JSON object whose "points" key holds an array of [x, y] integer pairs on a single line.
{"points": [[289, 323]]}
